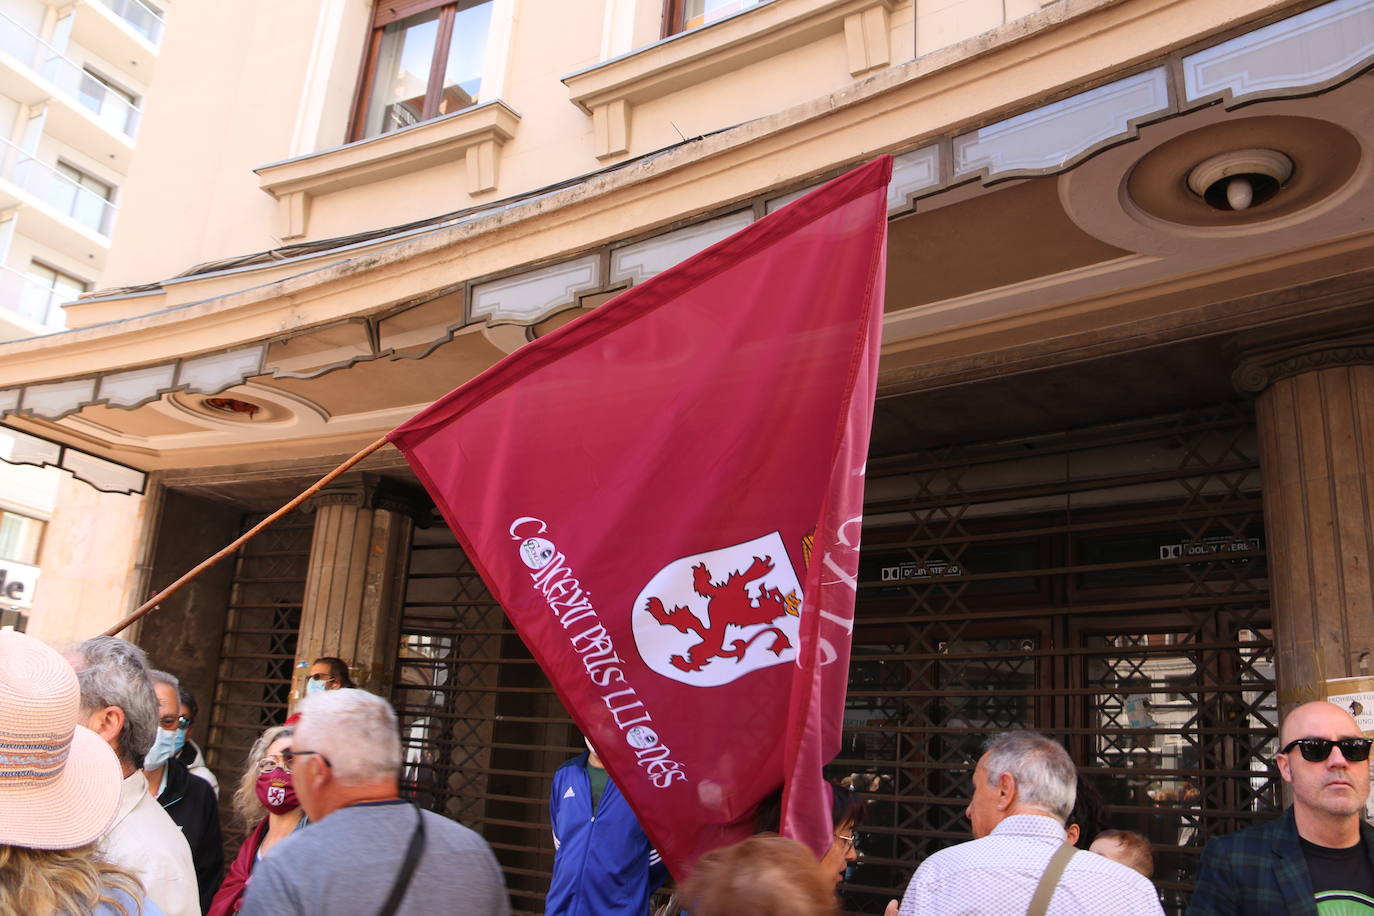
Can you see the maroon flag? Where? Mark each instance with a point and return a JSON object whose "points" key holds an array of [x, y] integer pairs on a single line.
{"points": [[665, 497]]}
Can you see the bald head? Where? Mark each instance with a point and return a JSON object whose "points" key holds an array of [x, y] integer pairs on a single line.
{"points": [[1318, 719], [1329, 792]]}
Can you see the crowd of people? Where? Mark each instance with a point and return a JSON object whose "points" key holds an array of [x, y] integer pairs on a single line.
{"points": [[107, 807]]}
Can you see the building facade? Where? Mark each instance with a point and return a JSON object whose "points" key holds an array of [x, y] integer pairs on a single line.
{"points": [[72, 81], [1119, 487]]}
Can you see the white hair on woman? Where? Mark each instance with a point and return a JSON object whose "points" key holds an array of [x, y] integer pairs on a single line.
{"points": [[1045, 776], [355, 731]]}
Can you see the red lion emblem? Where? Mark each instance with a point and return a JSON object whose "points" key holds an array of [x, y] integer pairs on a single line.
{"points": [[729, 606]]}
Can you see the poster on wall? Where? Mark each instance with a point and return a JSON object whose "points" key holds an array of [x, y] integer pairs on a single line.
{"points": [[1356, 696]]}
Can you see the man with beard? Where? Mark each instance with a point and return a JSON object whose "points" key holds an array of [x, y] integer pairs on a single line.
{"points": [[1319, 857]]}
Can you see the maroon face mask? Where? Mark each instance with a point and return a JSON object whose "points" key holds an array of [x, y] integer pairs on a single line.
{"points": [[276, 791]]}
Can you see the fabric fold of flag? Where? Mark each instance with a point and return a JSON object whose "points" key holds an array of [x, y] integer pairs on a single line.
{"points": [[665, 496]]}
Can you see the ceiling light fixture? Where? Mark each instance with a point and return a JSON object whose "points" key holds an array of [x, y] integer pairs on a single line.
{"points": [[1240, 179], [233, 406]]}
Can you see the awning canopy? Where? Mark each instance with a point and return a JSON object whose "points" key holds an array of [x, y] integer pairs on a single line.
{"points": [[107, 476]]}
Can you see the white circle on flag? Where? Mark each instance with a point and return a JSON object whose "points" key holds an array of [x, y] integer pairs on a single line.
{"points": [[537, 552], [641, 737]]}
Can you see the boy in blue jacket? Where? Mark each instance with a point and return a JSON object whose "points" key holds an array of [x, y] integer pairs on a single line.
{"points": [[603, 864]]}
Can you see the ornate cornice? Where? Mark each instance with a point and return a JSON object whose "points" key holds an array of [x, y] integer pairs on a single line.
{"points": [[1256, 371], [368, 491]]}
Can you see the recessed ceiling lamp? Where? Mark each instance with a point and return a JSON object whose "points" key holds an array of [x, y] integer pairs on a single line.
{"points": [[1240, 179], [232, 406]]}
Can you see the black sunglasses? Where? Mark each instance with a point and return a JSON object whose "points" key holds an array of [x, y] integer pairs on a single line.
{"points": [[1315, 750]]}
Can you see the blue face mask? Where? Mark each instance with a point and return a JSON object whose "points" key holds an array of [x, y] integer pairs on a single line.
{"points": [[163, 747], [180, 740], [313, 687]]}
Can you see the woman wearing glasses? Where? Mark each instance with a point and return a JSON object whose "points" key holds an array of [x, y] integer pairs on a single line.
{"points": [[266, 788], [846, 812]]}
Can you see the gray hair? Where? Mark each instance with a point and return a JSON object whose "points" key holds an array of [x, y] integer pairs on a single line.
{"points": [[1045, 776], [356, 731], [167, 680], [114, 672]]}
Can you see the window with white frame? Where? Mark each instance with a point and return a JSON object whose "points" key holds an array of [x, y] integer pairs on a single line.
{"points": [[425, 59]]}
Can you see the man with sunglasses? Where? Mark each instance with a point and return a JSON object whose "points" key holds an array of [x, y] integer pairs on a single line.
{"points": [[1318, 858]]}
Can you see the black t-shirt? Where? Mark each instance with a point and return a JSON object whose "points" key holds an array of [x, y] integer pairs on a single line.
{"points": [[1342, 879]]}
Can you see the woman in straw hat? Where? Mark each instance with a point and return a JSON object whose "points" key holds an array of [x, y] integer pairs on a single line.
{"points": [[59, 789]]}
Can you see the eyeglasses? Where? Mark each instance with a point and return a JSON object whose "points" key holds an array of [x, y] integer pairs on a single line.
{"points": [[167, 723], [269, 763], [322, 677], [323, 758], [1315, 750], [850, 842]]}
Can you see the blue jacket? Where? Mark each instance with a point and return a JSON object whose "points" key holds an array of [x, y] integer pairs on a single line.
{"points": [[1260, 871], [603, 864]]}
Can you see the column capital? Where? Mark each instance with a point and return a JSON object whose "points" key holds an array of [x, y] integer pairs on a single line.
{"points": [[369, 491], [1257, 369]]}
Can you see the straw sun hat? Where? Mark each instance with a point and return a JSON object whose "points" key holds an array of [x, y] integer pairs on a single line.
{"points": [[59, 781]]}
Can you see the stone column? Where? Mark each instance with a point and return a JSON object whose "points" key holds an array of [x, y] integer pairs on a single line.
{"points": [[1315, 417], [355, 582]]}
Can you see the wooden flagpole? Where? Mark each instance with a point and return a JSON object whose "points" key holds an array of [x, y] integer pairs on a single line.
{"points": [[247, 536]]}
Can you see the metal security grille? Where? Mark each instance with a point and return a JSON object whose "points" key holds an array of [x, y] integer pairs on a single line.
{"points": [[253, 684], [482, 731], [1106, 587]]}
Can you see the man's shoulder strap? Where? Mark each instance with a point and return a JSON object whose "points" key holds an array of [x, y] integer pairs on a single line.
{"points": [[1049, 881]]}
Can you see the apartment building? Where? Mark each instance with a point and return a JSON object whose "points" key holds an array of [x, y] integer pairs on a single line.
{"points": [[1118, 487], [72, 80], [75, 75]]}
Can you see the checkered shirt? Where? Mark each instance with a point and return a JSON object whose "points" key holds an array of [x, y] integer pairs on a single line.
{"points": [[997, 876]]}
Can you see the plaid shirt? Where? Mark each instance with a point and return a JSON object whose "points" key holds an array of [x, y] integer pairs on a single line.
{"points": [[997, 875], [1259, 871]]}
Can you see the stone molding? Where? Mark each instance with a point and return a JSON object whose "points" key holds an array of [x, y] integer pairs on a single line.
{"points": [[1257, 371], [368, 491], [475, 134], [610, 91]]}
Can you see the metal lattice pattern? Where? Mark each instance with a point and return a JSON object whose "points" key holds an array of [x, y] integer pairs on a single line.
{"points": [[482, 730], [1108, 588], [253, 685]]}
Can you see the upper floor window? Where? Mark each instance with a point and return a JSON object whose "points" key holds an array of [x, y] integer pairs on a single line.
{"points": [[113, 105], [142, 17], [57, 280], [425, 59], [681, 15], [83, 197], [42, 298]]}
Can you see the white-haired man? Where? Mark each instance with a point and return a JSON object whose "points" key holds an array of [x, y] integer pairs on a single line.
{"points": [[118, 704], [1023, 790], [367, 850]]}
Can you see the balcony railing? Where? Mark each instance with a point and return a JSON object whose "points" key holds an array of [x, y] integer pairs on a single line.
{"points": [[140, 17], [36, 54], [55, 189], [33, 300]]}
